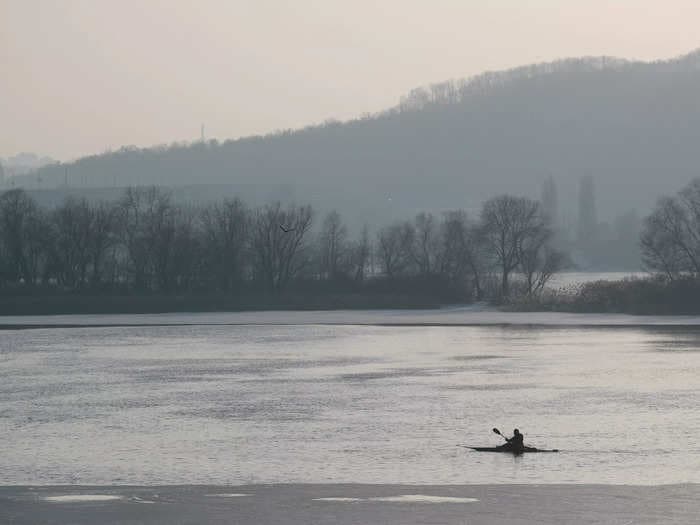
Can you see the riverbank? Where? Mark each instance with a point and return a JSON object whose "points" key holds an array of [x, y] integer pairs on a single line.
{"points": [[602, 293], [351, 504], [471, 315], [75, 304]]}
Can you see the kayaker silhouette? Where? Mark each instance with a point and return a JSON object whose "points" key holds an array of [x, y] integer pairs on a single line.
{"points": [[517, 441]]}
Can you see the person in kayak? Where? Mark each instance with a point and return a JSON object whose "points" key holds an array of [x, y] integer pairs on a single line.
{"points": [[517, 441]]}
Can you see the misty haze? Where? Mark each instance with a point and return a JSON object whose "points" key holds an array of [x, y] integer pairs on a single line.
{"points": [[329, 263]]}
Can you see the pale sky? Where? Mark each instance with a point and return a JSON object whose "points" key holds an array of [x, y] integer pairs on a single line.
{"points": [[82, 76]]}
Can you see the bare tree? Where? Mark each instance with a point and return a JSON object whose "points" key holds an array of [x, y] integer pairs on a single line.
{"points": [[689, 202], [147, 226], [395, 247], [360, 252], [101, 239], [539, 261], [333, 246], [670, 239], [426, 242], [130, 213], [462, 255], [38, 244], [226, 229], [25, 237], [73, 225], [507, 222], [186, 251], [277, 242], [15, 208]]}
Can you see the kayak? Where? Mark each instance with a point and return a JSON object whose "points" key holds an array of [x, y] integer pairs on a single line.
{"points": [[508, 449]]}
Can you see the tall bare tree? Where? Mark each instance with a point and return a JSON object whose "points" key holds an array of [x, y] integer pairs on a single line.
{"points": [[508, 222], [462, 255], [395, 249], [360, 252], [102, 238], [539, 261], [25, 237], [670, 239], [147, 225], [277, 242], [186, 249], [426, 242], [226, 229], [73, 226], [333, 246]]}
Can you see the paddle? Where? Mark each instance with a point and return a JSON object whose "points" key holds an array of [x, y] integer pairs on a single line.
{"points": [[496, 431]]}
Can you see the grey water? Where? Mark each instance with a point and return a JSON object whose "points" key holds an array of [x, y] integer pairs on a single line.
{"points": [[364, 404]]}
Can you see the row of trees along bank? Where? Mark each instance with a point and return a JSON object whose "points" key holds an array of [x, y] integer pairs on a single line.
{"points": [[145, 243]]}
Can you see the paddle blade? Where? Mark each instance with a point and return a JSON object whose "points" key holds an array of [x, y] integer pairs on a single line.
{"points": [[496, 431]]}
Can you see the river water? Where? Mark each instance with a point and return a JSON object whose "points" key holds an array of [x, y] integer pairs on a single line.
{"points": [[332, 403]]}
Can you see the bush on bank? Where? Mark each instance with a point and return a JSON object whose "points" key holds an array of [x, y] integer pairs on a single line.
{"points": [[654, 295]]}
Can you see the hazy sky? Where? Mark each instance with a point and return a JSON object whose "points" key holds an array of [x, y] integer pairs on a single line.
{"points": [[81, 76]]}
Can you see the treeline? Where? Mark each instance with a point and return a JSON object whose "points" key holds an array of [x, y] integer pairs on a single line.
{"points": [[144, 244], [455, 91]]}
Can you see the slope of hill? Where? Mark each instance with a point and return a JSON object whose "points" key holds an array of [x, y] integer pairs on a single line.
{"points": [[633, 126], [23, 163]]}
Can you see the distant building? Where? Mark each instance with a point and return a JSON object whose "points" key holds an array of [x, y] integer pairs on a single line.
{"points": [[587, 213], [550, 202]]}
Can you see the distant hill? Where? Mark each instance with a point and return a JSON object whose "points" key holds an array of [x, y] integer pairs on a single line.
{"points": [[633, 126], [23, 163]]}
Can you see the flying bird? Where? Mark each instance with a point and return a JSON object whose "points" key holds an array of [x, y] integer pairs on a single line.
{"points": [[286, 230]]}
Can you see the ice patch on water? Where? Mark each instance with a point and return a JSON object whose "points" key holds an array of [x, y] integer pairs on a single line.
{"points": [[405, 498], [233, 495], [338, 499], [423, 498], [136, 499], [77, 498]]}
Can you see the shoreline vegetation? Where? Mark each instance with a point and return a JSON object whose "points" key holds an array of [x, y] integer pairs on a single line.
{"points": [[66, 304], [652, 295]]}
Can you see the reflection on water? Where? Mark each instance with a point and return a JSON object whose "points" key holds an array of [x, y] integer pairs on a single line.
{"points": [[240, 404]]}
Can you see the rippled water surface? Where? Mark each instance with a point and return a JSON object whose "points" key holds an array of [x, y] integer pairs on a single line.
{"points": [[241, 404]]}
